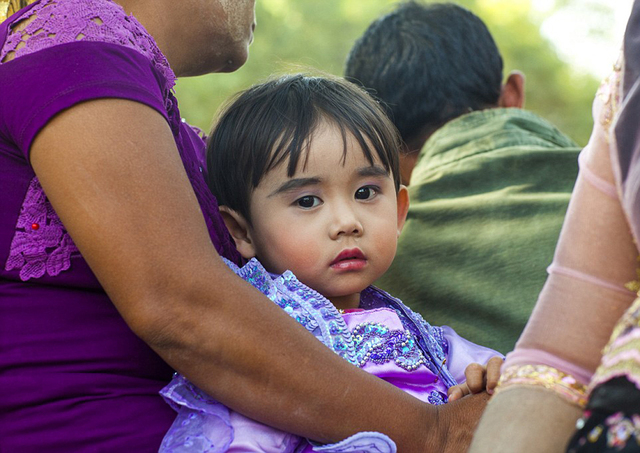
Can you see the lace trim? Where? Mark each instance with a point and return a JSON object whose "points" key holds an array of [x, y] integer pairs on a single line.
{"points": [[544, 376], [52, 22], [49, 23], [306, 306], [40, 244]]}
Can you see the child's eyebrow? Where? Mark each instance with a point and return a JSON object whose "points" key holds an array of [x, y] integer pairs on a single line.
{"points": [[294, 184], [297, 183], [373, 170]]}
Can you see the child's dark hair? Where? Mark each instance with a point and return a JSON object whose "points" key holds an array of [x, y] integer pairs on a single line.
{"points": [[274, 121]]}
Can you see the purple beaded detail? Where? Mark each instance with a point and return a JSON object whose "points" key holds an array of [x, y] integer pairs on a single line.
{"points": [[378, 344], [40, 244], [436, 398], [306, 306], [54, 22], [429, 339]]}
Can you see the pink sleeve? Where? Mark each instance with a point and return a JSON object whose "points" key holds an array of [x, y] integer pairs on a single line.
{"points": [[595, 258]]}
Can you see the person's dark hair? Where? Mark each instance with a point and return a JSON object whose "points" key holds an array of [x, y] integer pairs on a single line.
{"points": [[273, 123], [427, 64]]}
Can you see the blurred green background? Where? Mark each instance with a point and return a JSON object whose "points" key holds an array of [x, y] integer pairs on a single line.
{"points": [[295, 35]]}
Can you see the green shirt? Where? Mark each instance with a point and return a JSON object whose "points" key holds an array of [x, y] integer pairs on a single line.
{"points": [[488, 197]]}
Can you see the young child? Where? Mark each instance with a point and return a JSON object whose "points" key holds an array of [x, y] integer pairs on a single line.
{"points": [[305, 170]]}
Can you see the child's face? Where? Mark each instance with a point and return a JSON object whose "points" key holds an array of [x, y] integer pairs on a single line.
{"points": [[334, 225]]}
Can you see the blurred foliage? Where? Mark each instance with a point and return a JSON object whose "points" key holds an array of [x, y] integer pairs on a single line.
{"points": [[296, 35]]}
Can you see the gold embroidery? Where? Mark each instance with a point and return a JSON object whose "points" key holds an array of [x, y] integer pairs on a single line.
{"points": [[634, 285], [547, 377], [621, 356], [609, 93]]}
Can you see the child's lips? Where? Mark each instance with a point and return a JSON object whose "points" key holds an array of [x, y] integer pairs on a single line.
{"points": [[349, 260]]}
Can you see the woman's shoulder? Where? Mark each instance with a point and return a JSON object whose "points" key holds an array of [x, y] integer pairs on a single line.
{"points": [[50, 23]]}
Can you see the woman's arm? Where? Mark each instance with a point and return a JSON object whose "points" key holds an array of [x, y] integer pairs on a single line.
{"points": [[526, 420], [583, 298], [112, 172]]}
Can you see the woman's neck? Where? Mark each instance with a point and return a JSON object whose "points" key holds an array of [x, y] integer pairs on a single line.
{"points": [[154, 18]]}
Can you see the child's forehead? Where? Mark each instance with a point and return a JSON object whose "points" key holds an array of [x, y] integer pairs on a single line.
{"points": [[329, 147]]}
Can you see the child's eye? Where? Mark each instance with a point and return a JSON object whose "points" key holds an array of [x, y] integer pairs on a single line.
{"points": [[366, 193], [308, 202]]}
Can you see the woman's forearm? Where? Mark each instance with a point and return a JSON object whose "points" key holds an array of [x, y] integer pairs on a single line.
{"points": [[251, 356], [526, 420], [126, 201]]}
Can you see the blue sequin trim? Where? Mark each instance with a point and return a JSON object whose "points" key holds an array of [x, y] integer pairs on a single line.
{"points": [[436, 398], [429, 339], [419, 344], [378, 344], [308, 307]]}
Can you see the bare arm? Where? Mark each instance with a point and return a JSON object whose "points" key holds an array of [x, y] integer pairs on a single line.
{"points": [[526, 420], [125, 199]]}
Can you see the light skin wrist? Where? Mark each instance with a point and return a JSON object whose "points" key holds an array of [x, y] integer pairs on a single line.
{"points": [[519, 420]]}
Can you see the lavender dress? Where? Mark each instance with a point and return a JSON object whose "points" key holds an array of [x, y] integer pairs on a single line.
{"points": [[73, 377], [384, 338]]}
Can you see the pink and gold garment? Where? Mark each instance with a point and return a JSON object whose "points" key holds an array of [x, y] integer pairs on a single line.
{"points": [[383, 337], [585, 329], [587, 290]]}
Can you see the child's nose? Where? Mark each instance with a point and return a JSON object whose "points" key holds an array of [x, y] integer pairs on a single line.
{"points": [[346, 224]]}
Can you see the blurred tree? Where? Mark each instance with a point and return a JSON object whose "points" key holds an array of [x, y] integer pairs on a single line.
{"points": [[294, 35]]}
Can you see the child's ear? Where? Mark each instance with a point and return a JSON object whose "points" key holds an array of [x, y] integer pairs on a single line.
{"points": [[403, 206], [239, 229]]}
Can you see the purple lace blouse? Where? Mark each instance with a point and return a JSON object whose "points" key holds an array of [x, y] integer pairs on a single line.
{"points": [[73, 376]]}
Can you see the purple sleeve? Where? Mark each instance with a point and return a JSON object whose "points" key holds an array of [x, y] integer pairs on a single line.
{"points": [[38, 86], [463, 352]]}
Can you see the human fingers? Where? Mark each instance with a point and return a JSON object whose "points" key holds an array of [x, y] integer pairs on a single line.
{"points": [[475, 374], [493, 373], [457, 391]]}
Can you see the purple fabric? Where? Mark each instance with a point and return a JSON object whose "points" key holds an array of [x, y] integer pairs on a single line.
{"points": [[462, 352], [380, 340], [54, 22], [73, 375], [420, 382], [68, 74]]}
